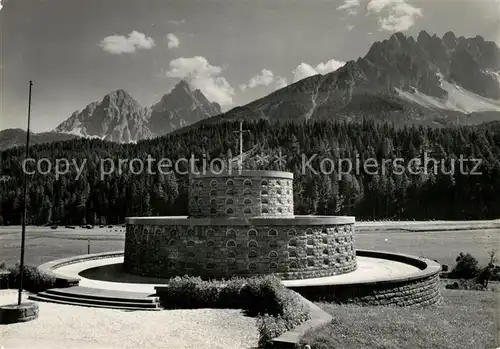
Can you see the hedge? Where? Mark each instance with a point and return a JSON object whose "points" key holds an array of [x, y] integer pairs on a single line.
{"points": [[4, 279], [278, 309], [34, 280]]}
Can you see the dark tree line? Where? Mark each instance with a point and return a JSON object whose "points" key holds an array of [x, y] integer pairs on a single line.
{"points": [[389, 193]]}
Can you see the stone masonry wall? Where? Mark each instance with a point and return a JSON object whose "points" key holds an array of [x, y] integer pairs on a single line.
{"points": [[240, 195], [293, 252], [412, 292]]}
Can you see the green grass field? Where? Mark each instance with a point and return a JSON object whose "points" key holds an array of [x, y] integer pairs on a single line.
{"points": [[443, 246], [44, 244], [464, 320]]}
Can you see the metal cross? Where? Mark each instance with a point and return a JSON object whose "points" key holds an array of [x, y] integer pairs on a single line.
{"points": [[241, 131]]}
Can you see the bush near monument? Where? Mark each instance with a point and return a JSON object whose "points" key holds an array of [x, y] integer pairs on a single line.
{"points": [[278, 308], [471, 276], [34, 280], [4, 276], [466, 268]]}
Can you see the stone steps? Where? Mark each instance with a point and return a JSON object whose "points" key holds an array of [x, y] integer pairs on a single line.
{"points": [[88, 297]]}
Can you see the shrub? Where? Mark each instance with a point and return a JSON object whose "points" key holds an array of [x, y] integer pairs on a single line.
{"points": [[189, 292], [230, 296], [269, 328], [33, 280], [3, 266], [292, 313], [452, 286], [495, 273], [260, 295], [466, 285], [466, 267], [278, 308], [4, 279]]}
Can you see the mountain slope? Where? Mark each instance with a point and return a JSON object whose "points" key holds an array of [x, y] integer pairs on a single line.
{"points": [[428, 80], [15, 137], [120, 118]]}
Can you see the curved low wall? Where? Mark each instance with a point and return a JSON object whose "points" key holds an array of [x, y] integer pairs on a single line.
{"points": [[299, 247], [64, 281], [418, 289]]}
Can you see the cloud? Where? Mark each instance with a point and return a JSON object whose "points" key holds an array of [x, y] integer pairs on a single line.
{"points": [[396, 15], [265, 78], [280, 82], [173, 41], [118, 44], [348, 4], [328, 67], [204, 76], [305, 70], [173, 21], [350, 27]]}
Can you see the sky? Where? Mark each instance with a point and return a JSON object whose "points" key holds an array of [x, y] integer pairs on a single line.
{"points": [[234, 51]]}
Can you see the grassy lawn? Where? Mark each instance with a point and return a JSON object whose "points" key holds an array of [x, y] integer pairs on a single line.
{"points": [[44, 244], [465, 319], [443, 246]]}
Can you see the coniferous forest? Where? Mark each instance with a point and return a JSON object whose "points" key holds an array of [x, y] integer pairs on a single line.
{"points": [[383, 192]]}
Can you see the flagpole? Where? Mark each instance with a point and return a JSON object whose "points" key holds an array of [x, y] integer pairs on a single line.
{"points": [[23, 231]]}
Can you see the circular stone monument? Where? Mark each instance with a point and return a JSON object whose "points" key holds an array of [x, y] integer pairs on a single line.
{"points": [[240, 224]]}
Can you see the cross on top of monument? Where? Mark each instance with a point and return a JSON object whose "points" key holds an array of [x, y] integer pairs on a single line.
{"points": [[240, 132]]}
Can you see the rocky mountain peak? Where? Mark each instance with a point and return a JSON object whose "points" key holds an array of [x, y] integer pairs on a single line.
{"points": [[180, 107], [182, 85], [119, 98], [120, 118], [423, 38], [450, 40], [397, 39]]}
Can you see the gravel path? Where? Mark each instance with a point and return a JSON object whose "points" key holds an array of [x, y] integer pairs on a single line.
{"points": [[72, 327]]}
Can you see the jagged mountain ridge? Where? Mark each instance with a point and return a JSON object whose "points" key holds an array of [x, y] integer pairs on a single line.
{"points": [[429, 80], [120, 118], [15, 137]]}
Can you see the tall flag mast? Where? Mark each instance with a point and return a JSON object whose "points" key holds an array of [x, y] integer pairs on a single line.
{"points": [[25, 200]]}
